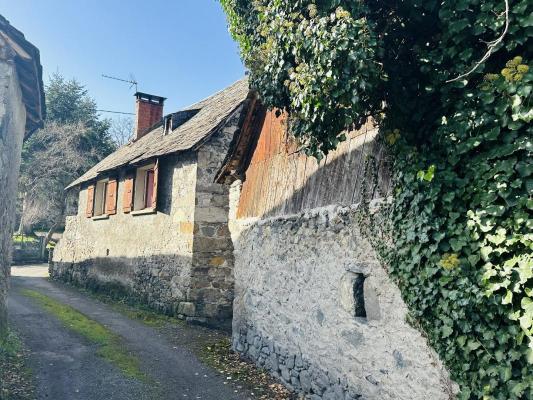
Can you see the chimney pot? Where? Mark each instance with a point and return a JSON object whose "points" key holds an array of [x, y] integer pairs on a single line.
{"points": [[149, 111]]}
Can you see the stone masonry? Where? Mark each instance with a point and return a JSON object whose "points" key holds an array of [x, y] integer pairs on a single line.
{"points": [[12, 125], [302, 283], [177, 260]]}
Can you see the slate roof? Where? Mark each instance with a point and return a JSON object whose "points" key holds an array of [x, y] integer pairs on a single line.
{"points": [[212, 114], [30, 72]]}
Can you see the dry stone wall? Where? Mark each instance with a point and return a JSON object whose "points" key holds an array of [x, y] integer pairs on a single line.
{"points": [[314, 307], [12, 125]]}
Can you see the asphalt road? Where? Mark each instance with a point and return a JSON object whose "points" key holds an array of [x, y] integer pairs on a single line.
{"points": [[66, 366]]}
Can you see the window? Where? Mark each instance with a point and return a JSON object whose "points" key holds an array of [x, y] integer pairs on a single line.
{"points": [[359, 295], [356, 296], [102, 198], [100, 195], [145, 188]]}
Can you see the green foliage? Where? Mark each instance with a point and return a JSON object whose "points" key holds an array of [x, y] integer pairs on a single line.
{"points": [[72, 141], [25, 239], [456, 235], [319, 65], [110, 345], [68, 103]]}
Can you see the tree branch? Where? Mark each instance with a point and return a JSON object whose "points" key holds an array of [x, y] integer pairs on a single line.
{"points": [[491, 46]]}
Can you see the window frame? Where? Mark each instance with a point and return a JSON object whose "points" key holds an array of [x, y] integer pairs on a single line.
{"points": [[100, 199], [141, 180]]}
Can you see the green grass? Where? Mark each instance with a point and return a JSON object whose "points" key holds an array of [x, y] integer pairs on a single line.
{"points": [[110, 347], [25, 239], [133, 310], [15, 378]]}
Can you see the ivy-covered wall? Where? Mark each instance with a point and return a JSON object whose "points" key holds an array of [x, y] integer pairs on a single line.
{"points": [[450, 86]]}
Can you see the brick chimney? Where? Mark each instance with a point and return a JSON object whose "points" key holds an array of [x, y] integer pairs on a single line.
{"points": [[149, 111]]}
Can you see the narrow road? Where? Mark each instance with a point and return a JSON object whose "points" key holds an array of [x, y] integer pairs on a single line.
{"points": [[66, 367]]}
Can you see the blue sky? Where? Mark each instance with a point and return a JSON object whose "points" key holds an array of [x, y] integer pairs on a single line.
{"points": [[179, 49]]}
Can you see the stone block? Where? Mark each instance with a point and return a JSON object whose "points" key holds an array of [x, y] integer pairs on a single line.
{"points": [[295, 383], [186, 227], [274, 362], [285, 374], [289, 362], [305, 381], [217, 261], [187, 308]]}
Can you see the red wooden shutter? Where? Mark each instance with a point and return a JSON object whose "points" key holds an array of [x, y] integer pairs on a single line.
{"points": [[111, 201], [127, 200], [154, 186], [90, 202]]}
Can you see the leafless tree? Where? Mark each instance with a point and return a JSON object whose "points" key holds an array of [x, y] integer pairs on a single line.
{"points": [[121, 130], [57, 154]]}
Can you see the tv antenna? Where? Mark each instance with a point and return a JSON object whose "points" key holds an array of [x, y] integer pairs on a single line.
{"points": [[132, 81]]}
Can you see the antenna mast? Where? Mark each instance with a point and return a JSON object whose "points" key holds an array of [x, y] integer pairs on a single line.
{"points": [[132, 81]]}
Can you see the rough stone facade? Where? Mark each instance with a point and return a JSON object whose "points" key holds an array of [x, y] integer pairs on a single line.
{"points": [[301, 281], [12, 126], [178, 260]]}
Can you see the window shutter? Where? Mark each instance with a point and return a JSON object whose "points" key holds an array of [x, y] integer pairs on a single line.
{"points": [[154, 193], [111, 201], [127, 200], [90, 202]]}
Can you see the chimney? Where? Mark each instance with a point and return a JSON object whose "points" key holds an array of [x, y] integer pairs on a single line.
{"points": [[149, 111]]}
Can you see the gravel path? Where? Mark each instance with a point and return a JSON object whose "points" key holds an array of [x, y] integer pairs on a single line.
{"points": [[66, 367]]}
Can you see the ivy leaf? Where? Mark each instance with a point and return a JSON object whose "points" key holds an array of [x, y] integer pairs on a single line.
{"points": [[485, 252], [495, 210], [499, 237], [508, 298], [524, 168], [447, 330], [525, 269]]}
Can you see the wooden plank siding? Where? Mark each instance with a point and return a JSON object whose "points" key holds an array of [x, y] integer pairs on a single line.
{"points": [[281, 181]]}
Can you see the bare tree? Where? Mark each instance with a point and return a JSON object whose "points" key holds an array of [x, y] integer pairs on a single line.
{"points": [[59, 154], [121, 130]]}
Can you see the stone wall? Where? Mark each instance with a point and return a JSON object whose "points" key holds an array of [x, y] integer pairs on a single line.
{"points": [[12, 125], [304, 284], [212, 279], [178, 260]]}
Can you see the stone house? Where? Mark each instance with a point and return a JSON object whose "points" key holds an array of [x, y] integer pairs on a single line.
{"points": [[312, 303], [214, 214], [151, 223], [21, 112]]}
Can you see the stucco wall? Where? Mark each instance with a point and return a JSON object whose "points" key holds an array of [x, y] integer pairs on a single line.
{"points": [[178, 260], [12, 124], [294, 311], [148, 255]]}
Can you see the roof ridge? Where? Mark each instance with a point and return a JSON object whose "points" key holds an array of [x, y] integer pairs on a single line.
{"points": [[214, 111], [214, 94]]}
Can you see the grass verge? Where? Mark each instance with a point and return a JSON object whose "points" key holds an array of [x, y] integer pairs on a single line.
{"points": [[25, 239], [15, 378], [135, 311], [110, 347], [212, 347], [126, 306]]}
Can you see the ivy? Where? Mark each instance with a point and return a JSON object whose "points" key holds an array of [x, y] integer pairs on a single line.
{"points": [[457, 233]]}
